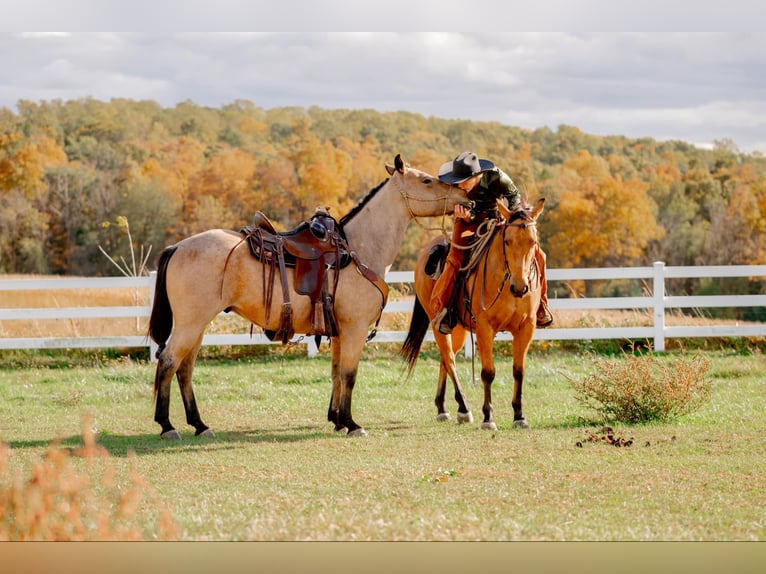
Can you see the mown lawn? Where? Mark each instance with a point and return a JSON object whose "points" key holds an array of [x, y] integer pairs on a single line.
{"points": [[276, 470]]}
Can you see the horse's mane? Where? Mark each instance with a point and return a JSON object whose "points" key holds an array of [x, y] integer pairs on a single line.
{"points": [[364, 201], [521, 211]]}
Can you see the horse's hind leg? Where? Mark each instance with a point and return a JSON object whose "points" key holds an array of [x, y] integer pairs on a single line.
{"points": [[463, 412], [447, 349], [441, 390], [184, 374], [171, 361], [167, 365]]}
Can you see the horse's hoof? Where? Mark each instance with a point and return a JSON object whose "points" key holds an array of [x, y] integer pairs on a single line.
{"points": [[171, 435], [521, 424], [340, 428], [208, 433], [358, 432], [464, 418], [442, 417], [489, 426]]}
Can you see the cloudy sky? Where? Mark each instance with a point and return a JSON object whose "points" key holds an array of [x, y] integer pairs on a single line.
{"points": [[693, 86]]}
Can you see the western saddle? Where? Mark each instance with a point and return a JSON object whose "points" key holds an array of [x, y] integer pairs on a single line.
{"points": [[312, 248]]}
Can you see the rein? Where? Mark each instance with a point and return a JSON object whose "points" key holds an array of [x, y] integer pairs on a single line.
{"points": [[486, 235], [408, 198], [507, 275]]}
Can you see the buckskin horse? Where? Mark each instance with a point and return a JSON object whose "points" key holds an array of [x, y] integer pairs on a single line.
{"points": [[501, 292], [214, 271]]}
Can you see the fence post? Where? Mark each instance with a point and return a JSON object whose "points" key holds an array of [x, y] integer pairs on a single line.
{"points": [[152, 345], [311, 347], [659, 306]]}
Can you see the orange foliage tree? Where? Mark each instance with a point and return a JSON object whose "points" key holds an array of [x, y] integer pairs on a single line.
{"points": [[600, 219], [176, 166]]}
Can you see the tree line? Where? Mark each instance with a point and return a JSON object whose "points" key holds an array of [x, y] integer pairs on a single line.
{"points": [[70, 170]]}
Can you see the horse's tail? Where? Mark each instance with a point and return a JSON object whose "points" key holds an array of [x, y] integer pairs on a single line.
{"points": [[419, 324], [161, 319]]}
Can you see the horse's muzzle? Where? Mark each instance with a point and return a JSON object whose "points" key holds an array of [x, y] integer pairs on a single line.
{"points": [[516, 292]]}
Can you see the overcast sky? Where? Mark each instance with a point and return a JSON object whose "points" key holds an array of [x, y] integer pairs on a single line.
{"points": [[697, 87]]}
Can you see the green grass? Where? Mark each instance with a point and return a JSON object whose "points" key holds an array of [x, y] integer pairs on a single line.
{"points": [[277, 471]]}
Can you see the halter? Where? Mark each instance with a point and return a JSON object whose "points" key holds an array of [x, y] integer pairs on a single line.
{"points": [[407, 198]]}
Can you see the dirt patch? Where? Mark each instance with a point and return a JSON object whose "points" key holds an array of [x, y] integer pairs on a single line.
{"points": [[605, 435]]}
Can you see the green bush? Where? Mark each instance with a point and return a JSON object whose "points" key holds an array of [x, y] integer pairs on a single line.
{"points": [[643, 388]]}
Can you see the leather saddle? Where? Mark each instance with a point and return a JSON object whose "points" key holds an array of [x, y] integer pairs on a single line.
{"points": [[312, 248]]}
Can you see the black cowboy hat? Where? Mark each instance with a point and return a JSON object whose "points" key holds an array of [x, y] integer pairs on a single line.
{"points": [[463, 167]]}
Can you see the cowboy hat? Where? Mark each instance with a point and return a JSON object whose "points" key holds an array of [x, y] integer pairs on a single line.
{"points": [[463, 167]]}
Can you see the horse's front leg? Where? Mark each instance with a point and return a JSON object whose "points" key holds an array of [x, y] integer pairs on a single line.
{"points": [[334, 408], [348, 364], [484, 342], [521, 342], [184, 375]]}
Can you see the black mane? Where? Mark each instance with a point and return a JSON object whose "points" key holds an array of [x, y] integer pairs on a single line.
{"points": [[364, 201], [521, 211]]}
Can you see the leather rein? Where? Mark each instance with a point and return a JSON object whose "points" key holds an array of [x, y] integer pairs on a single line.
{"points": [[506, 268]]}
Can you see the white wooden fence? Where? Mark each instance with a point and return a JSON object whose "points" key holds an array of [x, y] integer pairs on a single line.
{"points": [[658, 332]]}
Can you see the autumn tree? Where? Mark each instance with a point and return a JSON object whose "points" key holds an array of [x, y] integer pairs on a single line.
{"points": [[323, 174], [275, 180], [223, 196], [600, 220], [24, 221], [176, 167], [678, 214], [66, 167]]}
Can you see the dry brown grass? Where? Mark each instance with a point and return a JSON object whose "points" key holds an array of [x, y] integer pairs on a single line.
{"points": [[107, 327], [63, 500], [59, 298], [576, 318], [64, 298]]}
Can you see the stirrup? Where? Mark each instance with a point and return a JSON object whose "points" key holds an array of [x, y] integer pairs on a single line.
{"points": [[441, 322]]}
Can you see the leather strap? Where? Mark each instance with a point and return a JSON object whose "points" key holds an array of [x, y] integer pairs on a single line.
{"points": [[376, 280]]}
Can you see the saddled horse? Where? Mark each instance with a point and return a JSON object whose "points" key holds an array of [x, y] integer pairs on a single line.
{"points": [[501, 293], [214, 271]]}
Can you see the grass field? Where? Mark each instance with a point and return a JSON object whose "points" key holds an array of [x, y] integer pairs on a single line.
{"points": [[276, 470]]}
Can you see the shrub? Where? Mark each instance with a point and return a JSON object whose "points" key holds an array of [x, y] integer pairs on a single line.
{"points": [[642, 388], [61, 503]]}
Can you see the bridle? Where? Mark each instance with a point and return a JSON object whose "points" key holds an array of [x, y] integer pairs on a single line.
{"points": [[408, 198], [486, 233], [481, 254]]}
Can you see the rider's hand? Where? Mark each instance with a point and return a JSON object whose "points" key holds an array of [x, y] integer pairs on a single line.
{"points": [[462, 212]]}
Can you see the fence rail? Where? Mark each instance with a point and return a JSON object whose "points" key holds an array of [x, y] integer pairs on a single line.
{"points": [[659, 302]]}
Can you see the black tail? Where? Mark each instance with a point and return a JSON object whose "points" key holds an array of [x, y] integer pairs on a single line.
{"points": [[419, 324], [161, 319]]}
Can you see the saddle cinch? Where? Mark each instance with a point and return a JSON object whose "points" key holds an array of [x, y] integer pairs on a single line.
{"points": [[311, 249]]}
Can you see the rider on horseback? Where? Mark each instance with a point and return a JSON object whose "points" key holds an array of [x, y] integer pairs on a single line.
{"points": [[485, 184]]}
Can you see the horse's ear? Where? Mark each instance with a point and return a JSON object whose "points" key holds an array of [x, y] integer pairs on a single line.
{"points": [[390, 169], [538, 209], [505, 213], [399, 164]]}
